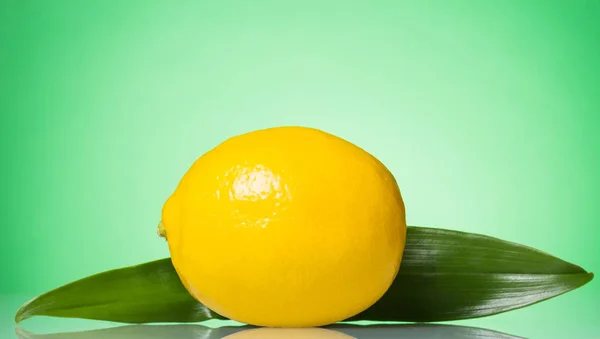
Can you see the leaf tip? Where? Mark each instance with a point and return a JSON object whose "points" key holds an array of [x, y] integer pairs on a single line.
{"points": [[588, 276], [20, 316], [24, 312]]}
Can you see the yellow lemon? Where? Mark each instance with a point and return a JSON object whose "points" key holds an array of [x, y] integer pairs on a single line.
{"points": [[286, 227]]}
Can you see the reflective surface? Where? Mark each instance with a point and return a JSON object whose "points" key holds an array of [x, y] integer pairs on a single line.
{"points": [[332, 332], [579, 325]]}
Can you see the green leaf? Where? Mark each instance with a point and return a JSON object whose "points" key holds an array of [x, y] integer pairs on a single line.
{"points": [[451, 275], [146, 293], [427, 297], [444, 275], [333, 332]]}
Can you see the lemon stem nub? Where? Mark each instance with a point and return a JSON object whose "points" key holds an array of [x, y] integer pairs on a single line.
{"points": [[161, 230]]}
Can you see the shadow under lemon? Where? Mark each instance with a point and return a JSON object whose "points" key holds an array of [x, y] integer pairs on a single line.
{"points": [[337, 331]]}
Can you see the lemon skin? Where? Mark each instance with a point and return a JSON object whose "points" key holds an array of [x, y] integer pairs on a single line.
{"points": [[286, 227]]}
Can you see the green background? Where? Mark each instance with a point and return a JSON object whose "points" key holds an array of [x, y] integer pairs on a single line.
{"points": [[487, 113]]}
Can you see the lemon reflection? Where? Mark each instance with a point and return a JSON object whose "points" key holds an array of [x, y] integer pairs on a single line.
{"points": [[289, 333]]}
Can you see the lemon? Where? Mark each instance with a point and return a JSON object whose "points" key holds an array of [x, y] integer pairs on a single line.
{"points": [[286, 227]]}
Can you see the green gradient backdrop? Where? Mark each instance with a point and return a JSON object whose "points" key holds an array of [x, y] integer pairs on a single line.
{"points": [[487, 112]]}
